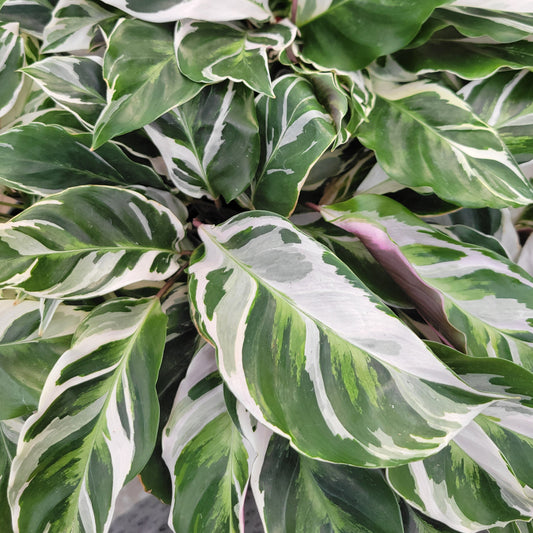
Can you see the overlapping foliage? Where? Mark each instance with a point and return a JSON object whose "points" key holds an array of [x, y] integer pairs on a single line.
{"points": [[273, 251]]}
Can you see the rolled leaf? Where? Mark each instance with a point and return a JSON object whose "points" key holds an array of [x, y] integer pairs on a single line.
{"points": [[300, 343], [74, 25], [205, 453], [144, 82], [88, 241], [476, 298], [74, 83], [209, 52], [163, 11], [96, 424], [424, 135], [28, 351], [296, 493], [349, 34], [295, 131], [199, 142], [43, 160]]}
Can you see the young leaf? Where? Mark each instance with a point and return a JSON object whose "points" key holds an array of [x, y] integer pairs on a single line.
{"points": [[74, 83], [504, 101], [205, 453], [299, 342], [88, 241], [424, 135], [331, 30], [43, 160], [200, 140], [96, 424], [74, 25], [144, 82], [28, 352], [11, 59], [472, 295], [295, 131], [164, 11], [296, 493], [209, 52]]}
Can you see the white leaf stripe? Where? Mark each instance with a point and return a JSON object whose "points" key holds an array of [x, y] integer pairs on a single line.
{"points": [[95, 428], [235, 289], [127, 239], [12, 58]]}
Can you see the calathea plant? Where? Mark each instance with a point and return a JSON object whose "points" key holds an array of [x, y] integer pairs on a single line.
{"points": [[278, 248]]}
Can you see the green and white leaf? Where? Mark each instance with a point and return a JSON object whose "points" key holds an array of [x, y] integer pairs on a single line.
{"points": [[96, 424], [211, 52], [518, 6], [12, 58], [295, 493], [473, 296], [74, 83], [88, 241], [164, 11], [481, 479], [504, 101], [8, 443], [42, 159], [478, 22], [295, 131], [468, 59], [143, 81], [425, 135], [74, 25], [299, 342], [210, 145], [332, 29], [32, 15], [205, 453], [28, 351]]}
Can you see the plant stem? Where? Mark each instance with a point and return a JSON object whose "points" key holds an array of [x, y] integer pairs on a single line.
{"points": [[166, 287], [294, 10]]}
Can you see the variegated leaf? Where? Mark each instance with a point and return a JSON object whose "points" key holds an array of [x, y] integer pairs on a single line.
{"points": [[73, 26], [42, 159], [199, 142], [74, 83], [32, 15], [504, 101], [415, 522], [88, 241], [518, 6], [295, 131], [223, 10], [478, 22], [300, 343], [28, 350], [295, 493], [209, 52], [96, 424], [205, 453], [468, 59], [481, 479], [425, 135], [332, 29], [475, 297], [144, 82], [182, 342], [8, 444], [12, 58]]}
